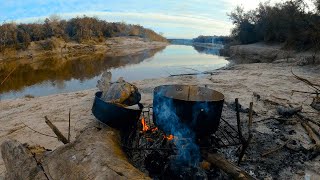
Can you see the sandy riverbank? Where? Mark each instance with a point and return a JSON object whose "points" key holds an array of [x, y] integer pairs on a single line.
{"points": [[272, 81]]}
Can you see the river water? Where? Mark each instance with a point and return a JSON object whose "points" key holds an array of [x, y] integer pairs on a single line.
{"points": [[60, 75]]}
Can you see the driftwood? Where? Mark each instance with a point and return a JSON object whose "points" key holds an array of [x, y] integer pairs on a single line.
{"points": [[314, 138], [60, 136], [302, 117], [95, 154], [193, 74], [19, 162], [316, 87], [229, 168]]}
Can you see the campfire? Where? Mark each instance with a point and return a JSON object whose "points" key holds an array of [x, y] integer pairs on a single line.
{"points": [[172, 138]]}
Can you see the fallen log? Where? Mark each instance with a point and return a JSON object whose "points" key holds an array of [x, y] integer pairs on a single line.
{"points": [[95, 154], [229, 168], [19, 162]]}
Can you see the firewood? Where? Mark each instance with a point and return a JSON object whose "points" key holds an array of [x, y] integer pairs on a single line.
{"points": [[314, 139], [60, 136], [229, 168], [96, 153], [302, 117]]}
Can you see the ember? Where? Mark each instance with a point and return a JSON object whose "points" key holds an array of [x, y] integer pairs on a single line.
{"points": [[170, 137]]}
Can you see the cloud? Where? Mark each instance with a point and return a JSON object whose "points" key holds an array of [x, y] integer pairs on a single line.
{"points": [[173, 26], [183, 19]]}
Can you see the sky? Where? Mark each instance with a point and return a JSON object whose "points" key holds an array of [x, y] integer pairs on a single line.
{"points": [[173, 18]]}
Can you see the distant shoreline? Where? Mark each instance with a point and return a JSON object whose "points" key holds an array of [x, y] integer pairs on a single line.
{"points": [[116, 46]]}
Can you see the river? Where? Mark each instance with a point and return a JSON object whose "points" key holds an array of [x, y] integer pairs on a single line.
{"points": [[59, 75]]}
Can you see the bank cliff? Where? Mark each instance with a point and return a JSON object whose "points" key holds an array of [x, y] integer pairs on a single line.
{"points": [[59, 48], [264, 53]]}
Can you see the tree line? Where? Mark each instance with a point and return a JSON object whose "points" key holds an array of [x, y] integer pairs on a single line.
{"points": [[291, 23], [79, 29], [212, 39]]}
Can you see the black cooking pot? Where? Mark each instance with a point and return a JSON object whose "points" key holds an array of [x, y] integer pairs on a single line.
{"points": [[198, 108], [115, 115]]}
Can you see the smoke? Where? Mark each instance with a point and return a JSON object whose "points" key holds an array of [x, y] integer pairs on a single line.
{"points": [[188, 152]]}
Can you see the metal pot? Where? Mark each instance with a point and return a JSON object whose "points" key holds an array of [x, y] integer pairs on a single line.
{"points": [[197, 107], [114, 115]]}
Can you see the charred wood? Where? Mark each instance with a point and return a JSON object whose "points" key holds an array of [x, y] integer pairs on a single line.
{"points": [[229, 168]]}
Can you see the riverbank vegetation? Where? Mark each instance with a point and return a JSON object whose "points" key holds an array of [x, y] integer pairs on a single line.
{"points": [[291, 23], [80, 29]]}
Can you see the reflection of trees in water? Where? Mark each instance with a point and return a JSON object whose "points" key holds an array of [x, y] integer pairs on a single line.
{"points": [[207, 50], [58, 70]]}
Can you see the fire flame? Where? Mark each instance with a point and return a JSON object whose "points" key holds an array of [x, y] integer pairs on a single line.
{"points": [[145, 127], [169, 138]]}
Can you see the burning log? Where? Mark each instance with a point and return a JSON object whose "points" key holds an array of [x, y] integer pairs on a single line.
{"points": [[232, 170]]}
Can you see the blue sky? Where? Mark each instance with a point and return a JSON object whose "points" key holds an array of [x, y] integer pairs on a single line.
{"points": [[174, 18]]}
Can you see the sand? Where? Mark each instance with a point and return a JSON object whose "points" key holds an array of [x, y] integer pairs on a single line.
{"points": [[272, 81]]}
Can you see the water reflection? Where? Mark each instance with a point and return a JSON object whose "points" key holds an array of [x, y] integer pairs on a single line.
{"points": [[58, 70], [207, 50], [59, 75]]}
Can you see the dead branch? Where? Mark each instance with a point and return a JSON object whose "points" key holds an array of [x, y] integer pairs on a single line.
{"points": [[306, 81], [238, 120], [302, 117], [69, 127], [60, 136], [192, 74], [274, 149], [304, 92], [315, 140], [37, 131], [232, 170]]}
